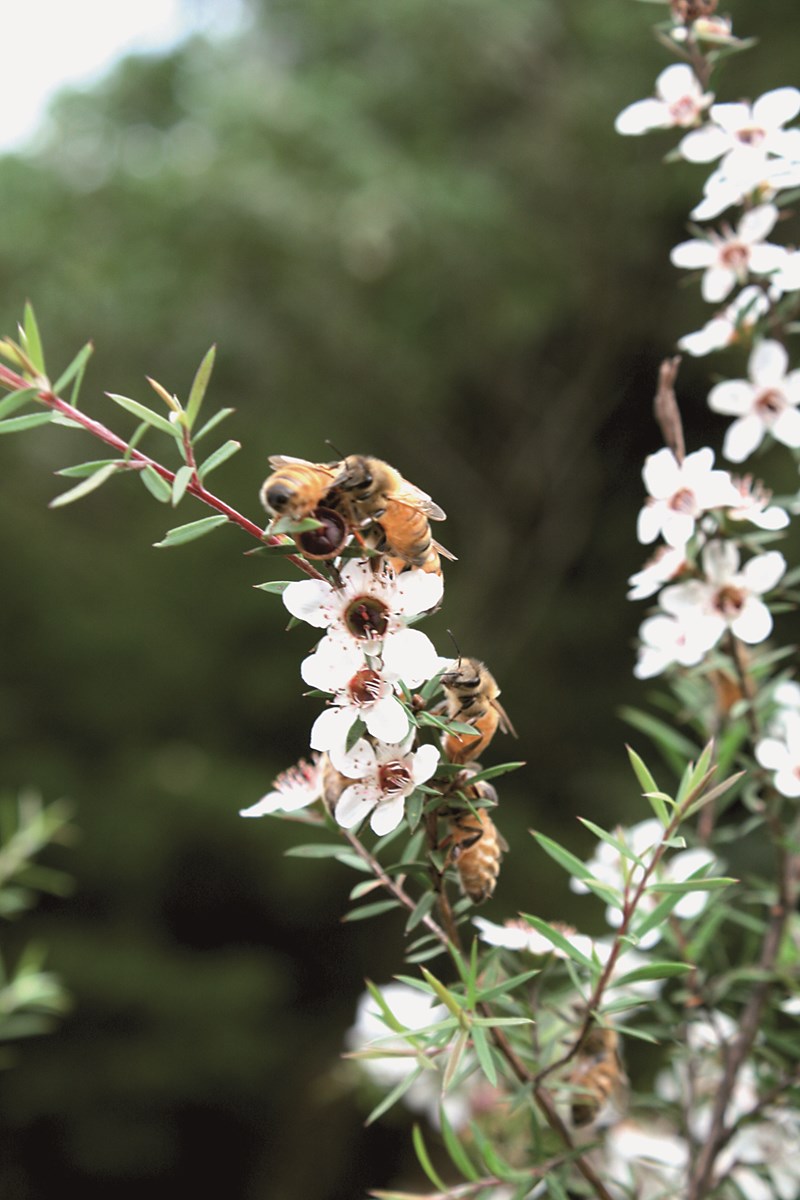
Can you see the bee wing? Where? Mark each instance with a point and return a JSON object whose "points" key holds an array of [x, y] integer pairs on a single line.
{"points": [[505, 720], [288, 460], [443, 550], [414, 497]]}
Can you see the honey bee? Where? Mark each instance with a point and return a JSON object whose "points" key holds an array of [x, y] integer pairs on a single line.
{"points": [[333, 783], [471, 696], [298, 489], [598, 1081], [476, 847], [371, 492]]}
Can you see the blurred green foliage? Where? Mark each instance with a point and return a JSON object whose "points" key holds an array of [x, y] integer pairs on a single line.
{"points": [[411, 229]]}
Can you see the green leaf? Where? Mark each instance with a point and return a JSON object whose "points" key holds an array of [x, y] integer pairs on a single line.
{"points": [[458, 1155], [290, 525], [673, 745], [31, 339], [85, 486], [29, 421], [212, 423], [655, 918], [494, 772], [394, 1095], [317, 850], [654, 970], [609, 838], [421, 911], [365, 911], [506, 987], [75, 369], [565, 858], [692, 885], [16, 400], [156, 484], [356, 730], [221, 455], [277, 586], [79, 470], [199, 386], [414, 806], [147, 415], [445, 995], [560, 941], [424, 1159], [183, 477], [188, 533], [648, 783], [484, 1054]]}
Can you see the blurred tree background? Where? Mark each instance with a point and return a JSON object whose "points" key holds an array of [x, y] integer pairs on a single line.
{"points": [[411, 229]]}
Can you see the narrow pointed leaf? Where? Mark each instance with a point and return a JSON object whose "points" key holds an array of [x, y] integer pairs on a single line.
{"points": [[277, 586], [618, 844], [212, 423], [458, 1155], [446, 997], [394, 1095], [692, 885], [188, 533], [85, 486], [653, 970], [199, 386], [146, 414], [183, 477], [16, 400], [641, 771], [221, 455], [560, 941], [424, 1159], [29, 421], [484, 1052], [156, 484], [565, 858], [75, 368], [80, 470], [365, 911], [32, 339]]}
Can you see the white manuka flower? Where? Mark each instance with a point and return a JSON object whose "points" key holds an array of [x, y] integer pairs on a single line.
{"points": [[666, 564], [727, 598], [742, 178], [294, 788], [648, 1161], [372, 608], [734, 323], [608, 866], [665, 640], [384, 775], [360, 689], [680, 493], [740, 130], [754, 505], [781, 755], [727, 258], [768, 402], [680, 101]]}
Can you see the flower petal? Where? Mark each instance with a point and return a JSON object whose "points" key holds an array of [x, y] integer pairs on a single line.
{"points": [[387, 815], [694, 254], [642, 116], [354, 804], [762, 573], [358, 763], [742, 438], [386, 719], [776, 107], [410, 655], [426, 760], [310, 600], [754, 623], [786, 428], [732, 397]]}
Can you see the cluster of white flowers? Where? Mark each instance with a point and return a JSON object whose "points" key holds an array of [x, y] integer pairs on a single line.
{"points": [[705, 588], [760, 1162], [709, 590], [367, 650]]}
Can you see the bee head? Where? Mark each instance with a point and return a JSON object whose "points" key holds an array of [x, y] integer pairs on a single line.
{"points": [[276, 496]]}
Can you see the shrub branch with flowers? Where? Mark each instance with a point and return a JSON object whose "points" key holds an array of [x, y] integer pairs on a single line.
{"points": [[512, 1039]]}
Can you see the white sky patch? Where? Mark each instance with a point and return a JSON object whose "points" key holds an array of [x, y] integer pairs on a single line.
{"points": [[50, 44]]}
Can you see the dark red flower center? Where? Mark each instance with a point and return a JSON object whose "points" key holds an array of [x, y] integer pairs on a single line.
{"points": [[365, 686], [769, 403], [729, 601], [367, 617], [394, 777], [684, 501]]}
